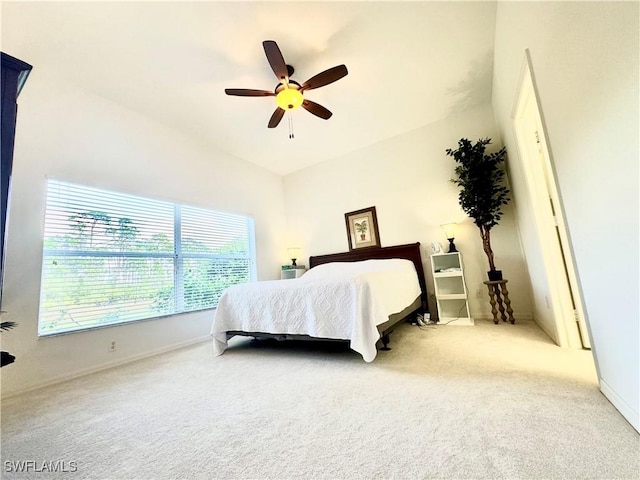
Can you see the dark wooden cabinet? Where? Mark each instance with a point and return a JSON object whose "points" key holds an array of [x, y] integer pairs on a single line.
{"points": [[14, 75]]}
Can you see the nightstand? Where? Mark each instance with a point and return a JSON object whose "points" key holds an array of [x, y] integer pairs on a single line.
{"points": [[290, 273]]}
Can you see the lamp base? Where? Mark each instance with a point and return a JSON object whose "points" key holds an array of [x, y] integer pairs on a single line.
{"points": [[452, 246], [293, 262]]}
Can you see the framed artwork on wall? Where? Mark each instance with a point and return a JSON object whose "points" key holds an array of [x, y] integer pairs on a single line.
{"points": [[362, 228]]}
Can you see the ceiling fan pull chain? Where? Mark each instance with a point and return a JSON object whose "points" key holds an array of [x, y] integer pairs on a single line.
{"points": [[290, 127]]}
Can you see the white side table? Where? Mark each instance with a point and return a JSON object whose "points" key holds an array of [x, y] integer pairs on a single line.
{"points": [[292, 273]]}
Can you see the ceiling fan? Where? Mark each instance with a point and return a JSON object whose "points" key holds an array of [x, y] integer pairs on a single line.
{"points": [[289, 93]]}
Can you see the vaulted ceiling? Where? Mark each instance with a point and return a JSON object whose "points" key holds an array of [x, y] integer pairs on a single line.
{"points": [[410, 64]]}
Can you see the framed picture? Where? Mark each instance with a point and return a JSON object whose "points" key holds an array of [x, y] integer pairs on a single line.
{"points": [[362, 228]]}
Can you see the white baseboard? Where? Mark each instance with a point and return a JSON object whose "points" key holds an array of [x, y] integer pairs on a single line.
{"points": [[627, 411], [106, 366]]}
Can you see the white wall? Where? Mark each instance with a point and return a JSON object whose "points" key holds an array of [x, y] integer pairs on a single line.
{"points": [[68, 134], [407, 179], [585, 62]]}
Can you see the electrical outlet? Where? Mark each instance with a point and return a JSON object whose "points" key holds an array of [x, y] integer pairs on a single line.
{"points": [[112, 346]]}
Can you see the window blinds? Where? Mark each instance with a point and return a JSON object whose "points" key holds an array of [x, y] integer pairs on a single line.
{"points": [[110, 257]]}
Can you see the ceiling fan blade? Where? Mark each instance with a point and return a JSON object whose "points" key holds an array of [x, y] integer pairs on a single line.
{"points": [[245, 92], [276, 117], [325, 78], [275, 58], [317, 109]]}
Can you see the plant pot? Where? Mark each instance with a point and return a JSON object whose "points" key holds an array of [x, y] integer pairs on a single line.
{"points": [[494, 275]]}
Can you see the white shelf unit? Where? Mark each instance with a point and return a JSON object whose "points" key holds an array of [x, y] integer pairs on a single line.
{"points": [[451, 290]]}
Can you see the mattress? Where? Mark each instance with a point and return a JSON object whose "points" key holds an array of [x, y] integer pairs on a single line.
{"points": [[340, 300]]}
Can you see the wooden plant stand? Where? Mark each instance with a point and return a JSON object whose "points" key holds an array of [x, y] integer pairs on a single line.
{"points": [[498, 294]]}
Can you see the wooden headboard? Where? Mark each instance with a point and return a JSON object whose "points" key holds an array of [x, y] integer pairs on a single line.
{"points": [[410, 251]]}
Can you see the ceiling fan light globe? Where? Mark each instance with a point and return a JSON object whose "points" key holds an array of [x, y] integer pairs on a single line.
{"points": [[289, 99]]}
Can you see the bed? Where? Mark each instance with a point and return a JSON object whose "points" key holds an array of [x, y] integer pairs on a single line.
{"points": [[356, 296]]}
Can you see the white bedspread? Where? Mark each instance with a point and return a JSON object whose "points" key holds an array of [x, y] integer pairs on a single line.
{"points": [[336, 300]]}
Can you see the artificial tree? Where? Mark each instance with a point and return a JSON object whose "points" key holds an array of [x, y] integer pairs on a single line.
{"points": [[482, 194]]}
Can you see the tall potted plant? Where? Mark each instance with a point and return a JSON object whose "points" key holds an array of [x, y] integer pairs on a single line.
{"points": [[482, 194]]}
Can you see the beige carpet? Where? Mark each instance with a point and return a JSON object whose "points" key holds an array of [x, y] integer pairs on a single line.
{"points": [[447, 402]]}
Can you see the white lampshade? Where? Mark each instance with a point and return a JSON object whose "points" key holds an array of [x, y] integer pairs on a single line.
{"points": [[449, 229]]}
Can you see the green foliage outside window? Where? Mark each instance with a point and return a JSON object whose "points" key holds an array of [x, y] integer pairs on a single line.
{"points": [[135, 272]]}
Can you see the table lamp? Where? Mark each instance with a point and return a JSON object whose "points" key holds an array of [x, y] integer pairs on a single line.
{"points": [[294, 253], [450, 232]]}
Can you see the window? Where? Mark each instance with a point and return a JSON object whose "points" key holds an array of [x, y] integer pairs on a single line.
{"points": [[111, 258]]}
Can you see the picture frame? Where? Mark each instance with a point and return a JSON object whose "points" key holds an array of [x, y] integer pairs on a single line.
{"points": [[362, 229]]}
